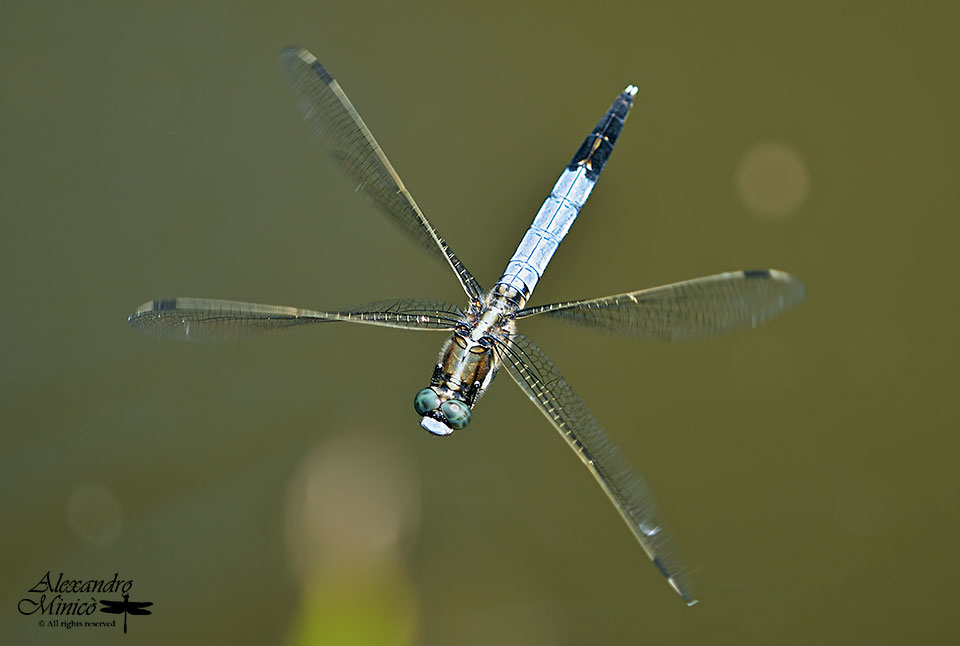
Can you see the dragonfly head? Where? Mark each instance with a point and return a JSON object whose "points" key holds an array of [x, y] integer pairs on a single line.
{"points": [[438, 415]]}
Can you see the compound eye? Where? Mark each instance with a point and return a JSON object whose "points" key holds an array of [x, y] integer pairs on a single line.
{"points": [[426, 401], [456, 413]]}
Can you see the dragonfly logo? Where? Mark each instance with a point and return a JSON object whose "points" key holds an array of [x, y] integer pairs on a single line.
{"points": [[126, 607]]}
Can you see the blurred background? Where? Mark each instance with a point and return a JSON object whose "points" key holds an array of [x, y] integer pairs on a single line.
{"points": [[280, 491]]}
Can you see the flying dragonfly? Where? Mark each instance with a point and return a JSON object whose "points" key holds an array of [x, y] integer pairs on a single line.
{"points": [[483, 335]]}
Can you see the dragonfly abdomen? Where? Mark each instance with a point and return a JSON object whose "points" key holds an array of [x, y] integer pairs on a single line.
{"points": [[561, 207]]}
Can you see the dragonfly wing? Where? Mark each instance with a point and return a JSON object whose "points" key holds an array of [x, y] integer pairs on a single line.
{"points": [[113, 610], [693, 309], [207, 319], [541, 381], [337, 124]]}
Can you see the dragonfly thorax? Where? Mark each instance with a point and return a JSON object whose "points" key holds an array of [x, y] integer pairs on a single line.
{"points": [[465, 368]]}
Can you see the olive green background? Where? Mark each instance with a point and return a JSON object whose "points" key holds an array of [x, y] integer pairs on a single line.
{"points": [[280, 491]]}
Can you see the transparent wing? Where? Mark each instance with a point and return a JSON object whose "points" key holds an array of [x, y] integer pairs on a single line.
{"points": [[207, 319], [693, 309], [539, 379], [328, 111]]}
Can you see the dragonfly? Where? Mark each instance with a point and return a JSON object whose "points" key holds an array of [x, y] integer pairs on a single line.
{"points": [[126, 607], [482, 336]]}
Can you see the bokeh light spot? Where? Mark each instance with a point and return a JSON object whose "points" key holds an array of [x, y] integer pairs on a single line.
{"points": [[772, 179]]}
